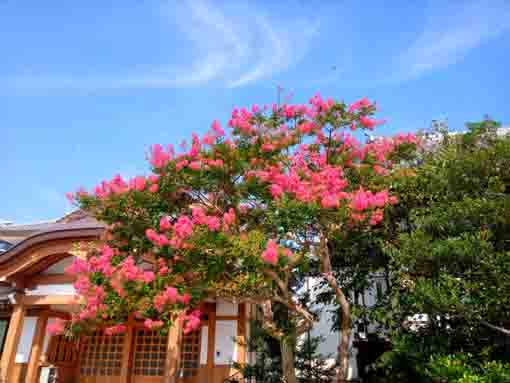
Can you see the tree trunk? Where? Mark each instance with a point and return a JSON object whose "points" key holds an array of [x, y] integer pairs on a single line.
{"points": [[345, 313], [288, 366], [345, 336]]}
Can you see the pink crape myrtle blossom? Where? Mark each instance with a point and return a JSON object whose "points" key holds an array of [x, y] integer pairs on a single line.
{"points": [[153, 324], [220, 214], [57, 327], [116, 329], [191, 321], [270, 254], [165, 223]]}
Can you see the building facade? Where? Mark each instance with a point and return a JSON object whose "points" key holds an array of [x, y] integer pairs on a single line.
{"points": [[34, 291]]}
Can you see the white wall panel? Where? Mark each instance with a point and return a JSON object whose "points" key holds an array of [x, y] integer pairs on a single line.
{"points": [[224, 307], [57, 289], [203, 346], [25, 341], [225, 351]]}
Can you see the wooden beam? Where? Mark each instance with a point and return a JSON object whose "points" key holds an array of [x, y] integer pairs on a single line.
{"points": [[241, 334], [59, 314], [211, 344], [173, 352], [11, 341], [34, 300], [127, 351], [37, 346], [49, 279]]}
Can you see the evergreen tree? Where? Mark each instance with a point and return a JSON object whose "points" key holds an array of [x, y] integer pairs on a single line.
{"points": [[311, 365]]}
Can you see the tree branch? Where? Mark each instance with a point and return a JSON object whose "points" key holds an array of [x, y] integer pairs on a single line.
{"points": [[497, 328]]}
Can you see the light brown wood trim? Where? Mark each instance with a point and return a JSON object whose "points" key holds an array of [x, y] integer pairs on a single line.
{"points": [[37, 346], [35, 311], [173, 352], [34, 241], [34, 300], [211, 343], [49, 279], [16, 372], [11, 341], [127, 352], [241, 334], [58, 314]]}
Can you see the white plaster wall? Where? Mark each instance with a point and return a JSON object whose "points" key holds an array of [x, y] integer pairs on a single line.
{"points": [[225, 350], [203, 346], [59, 267], [25, 340], [329, 345], [224, 307], [57, 289]]}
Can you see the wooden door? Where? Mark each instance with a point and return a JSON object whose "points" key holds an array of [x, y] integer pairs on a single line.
{"points": [[63, 354], [148, 356], [189, 368], [101, 358]]}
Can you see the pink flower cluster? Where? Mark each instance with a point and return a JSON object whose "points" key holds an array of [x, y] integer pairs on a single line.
{"points": [[363, 103], [319, 105], [94, 297], [78, 266], [57, 327], [191, 321], [117, 186], [103, 263], [132, 272], [242, 120], [183, 227], [325, 185], [270, 254], [153, 324], [170, 296], [116, 329], [160, 157], [363, 201]]}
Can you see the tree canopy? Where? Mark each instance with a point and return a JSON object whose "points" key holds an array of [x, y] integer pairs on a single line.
{"points": [[238, 214]]}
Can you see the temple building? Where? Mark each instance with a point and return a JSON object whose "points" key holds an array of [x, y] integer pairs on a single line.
{"points": [[34, 291]]}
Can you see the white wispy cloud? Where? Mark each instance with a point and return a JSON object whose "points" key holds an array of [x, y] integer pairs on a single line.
{"points": [[451, 30], [234, 47]]}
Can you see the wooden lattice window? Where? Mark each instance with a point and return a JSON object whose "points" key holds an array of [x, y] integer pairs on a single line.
{"points": [[190, 354], [102, 354], [150, 353], [62, 350]]}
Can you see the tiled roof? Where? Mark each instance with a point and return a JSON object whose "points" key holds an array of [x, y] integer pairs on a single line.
{"points": [[87, 222]]}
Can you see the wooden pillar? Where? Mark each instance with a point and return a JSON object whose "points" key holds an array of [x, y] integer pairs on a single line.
{"points": [[11, 340], [211, 343], [37, 348], [127, 353], [173, 352], [241, 334]]}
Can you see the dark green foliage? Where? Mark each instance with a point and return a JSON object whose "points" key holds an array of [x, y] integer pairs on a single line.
{"points": [[311, 366], [450, 260]]}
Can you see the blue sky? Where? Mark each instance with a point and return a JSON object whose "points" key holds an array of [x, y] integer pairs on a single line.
{"points": [[86, 88]]}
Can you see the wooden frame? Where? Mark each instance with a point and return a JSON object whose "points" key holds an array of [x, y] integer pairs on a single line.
{"points": [[11, 343]]}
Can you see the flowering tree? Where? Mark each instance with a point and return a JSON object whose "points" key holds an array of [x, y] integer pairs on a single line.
{"points": [[237, 214]]}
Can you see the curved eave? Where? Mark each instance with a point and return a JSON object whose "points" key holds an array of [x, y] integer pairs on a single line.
{"points": [[16, 253]]}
